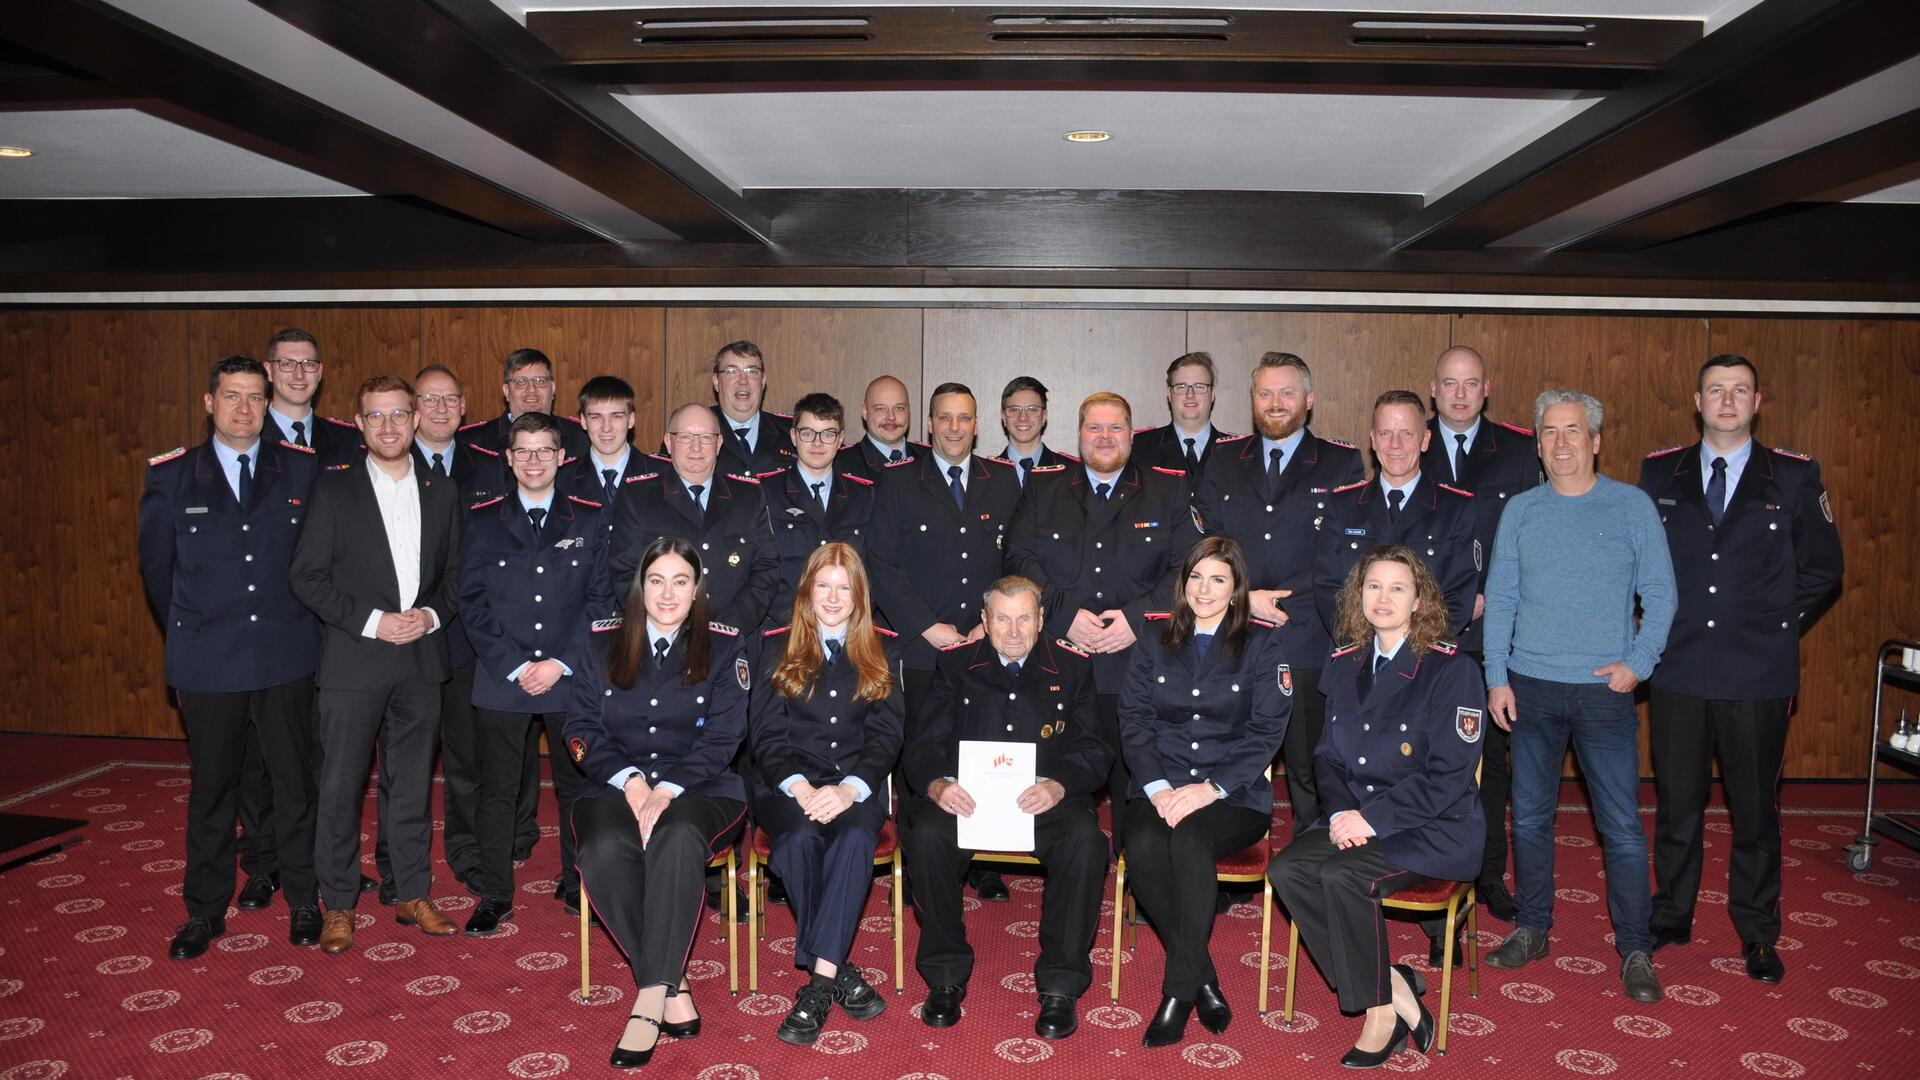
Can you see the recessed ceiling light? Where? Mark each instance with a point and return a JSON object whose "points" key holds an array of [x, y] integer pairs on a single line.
{"points": [[1088, 136], [15, 151]]}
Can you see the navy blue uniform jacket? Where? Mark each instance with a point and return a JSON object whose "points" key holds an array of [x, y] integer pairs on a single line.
{"points": [[799, 526], [1503, 462], [828, 733], [670, 731], [1438, 522], [735, 545]]}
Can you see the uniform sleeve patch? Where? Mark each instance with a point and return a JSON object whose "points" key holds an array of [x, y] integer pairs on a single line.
{"points": [[1466, 724], [162, 459], [1794, 454], [296, 447], [601, 626], [742, 674], [577, 746], [1199, 525], [1826, 510], [1283, 673]]}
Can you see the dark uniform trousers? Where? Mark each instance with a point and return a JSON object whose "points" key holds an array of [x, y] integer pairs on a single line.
{"points": [[649, 896], [1172, 872], [1334, 895], [276, 724], [827, 870], [1749, 585], [1277, 526]]}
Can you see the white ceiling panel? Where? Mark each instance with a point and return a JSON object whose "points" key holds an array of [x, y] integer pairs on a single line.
{"points": [[127, 154], [1162, 141], [1908, 192]]}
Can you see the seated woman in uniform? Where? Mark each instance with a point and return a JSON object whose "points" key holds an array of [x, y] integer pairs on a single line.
{"points": [[1395, 764], [1203, 710], [656, 719], [826, 725]]}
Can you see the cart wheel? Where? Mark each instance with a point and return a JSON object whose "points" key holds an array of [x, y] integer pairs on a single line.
{"points": [[1859, 857]]}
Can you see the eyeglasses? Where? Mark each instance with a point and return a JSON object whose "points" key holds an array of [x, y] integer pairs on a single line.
{"points": [[435, 401], [1023, 410], [1186, 388], [525, 454], [291, 366], [692, 438], [388, 416], [809, 435], [521, 382], [738, 372]]}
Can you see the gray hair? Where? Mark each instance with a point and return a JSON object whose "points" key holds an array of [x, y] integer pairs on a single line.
{"points": [[1596, 412], [1011, 586]]}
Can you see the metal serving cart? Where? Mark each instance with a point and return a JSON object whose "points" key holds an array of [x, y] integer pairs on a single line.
{"points": [[1897, 825]]}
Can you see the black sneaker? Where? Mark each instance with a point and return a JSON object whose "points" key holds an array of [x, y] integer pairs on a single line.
{"points": [[855, 996], [809, 1014]]}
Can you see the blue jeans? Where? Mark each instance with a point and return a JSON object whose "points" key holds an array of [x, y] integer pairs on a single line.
{"points": [[1604, 730]]}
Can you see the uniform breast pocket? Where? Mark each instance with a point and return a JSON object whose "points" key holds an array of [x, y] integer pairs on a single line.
{"points": [[1409, 754], [198, 549]]}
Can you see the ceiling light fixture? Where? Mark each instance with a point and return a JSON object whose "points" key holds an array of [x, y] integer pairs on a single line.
{"points": [[15, 152], [1088, 136]]}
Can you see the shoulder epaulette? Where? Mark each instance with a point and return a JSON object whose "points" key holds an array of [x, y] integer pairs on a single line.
{"points": [[723, 628], [957, 645], [1169, 472], [1157, 616], [1263, 622], [1069, 457], [1225, 436], [489, 502], [1231, 438], [601, 626], [585, 502], [1046, 469], [1343, 650], [769, 472], [902, 461], [1144, 430], [297, 447], [337, 421], [1062, 642], [1350, 487], [475, 424], [856, 479], [1445, 648], [1339, 442], [1665, 452], [781, 415], [1516, 428], [162, 459], [483, 449], [642, 476], [577, 421], [660, 457], [342, 467], [776, 631], [1795, 454], [999, 461], [1455, 490], [885, 632], [744, 478]]}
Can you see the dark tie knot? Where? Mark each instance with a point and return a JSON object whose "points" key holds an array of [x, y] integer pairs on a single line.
{"points": [[1395, 497], [1379, 661], [1719, 464], [833, 649], [1026, 464], [742, 432], [1103, 490], [243, 462], [1013, 668], [695, 490], [606, 475], [660, 647], [537, 515], [897, 455], [953, 472]]}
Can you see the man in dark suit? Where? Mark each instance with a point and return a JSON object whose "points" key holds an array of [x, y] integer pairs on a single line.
{"points": [[376, 562], [1496, 461], [1023, 417], [721, 515], [217, 531], [886, 415], [529, 384], [1756, 558], [752, 440], [1186, 442], [808, 505], [1270, 492]]}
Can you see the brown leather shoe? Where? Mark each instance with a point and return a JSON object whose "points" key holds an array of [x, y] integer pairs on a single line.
{"points": [[423, 914], [336, 936]]}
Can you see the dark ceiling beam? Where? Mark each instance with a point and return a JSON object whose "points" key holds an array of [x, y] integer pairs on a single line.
{"points": [[1887, 147], [219, 98], [1195, 49], [1771, 60], [471, 58]]}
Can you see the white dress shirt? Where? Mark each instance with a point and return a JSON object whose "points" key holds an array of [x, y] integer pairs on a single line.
{"points": [[400, 513]]}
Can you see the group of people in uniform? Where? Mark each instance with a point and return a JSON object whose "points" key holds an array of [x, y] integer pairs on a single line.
{"points": [[776, 621]]}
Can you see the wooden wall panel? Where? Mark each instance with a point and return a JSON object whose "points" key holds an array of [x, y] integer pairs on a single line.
{"points": [[1073, 351], [834, 350], [355, 343], [1354, 357], [26, 345]]}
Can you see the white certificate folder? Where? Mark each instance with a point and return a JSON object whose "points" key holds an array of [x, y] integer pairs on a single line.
{"points": [[995, 773]]}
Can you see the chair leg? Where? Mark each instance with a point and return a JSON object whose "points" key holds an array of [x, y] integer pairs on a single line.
{"points": [[586, 940], [753, 921], [733, 927], [1293, 968], [899, 927], [1266, 940], [1446, 974], [1473, 945], [1119, 928]]}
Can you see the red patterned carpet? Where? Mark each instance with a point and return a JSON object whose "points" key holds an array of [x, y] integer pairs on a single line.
{"points": [[86, 989]]}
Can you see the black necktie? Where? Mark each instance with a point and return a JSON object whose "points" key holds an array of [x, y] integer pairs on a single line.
{"points": [[953, 481], [742, 432], [660, 648], [1193, 455], [1273, 468], [1379, 661], [607, 483], [1367, 674], [897, 455], [246, 484], [537, 515], [1102, 490], [1395, 497], [1200, 644], [300, 433], [1716, 489], [439, 467], [1459, 454], [1026, 466], [833, 650], [694, 491], [1013, 669], [819, 501]]}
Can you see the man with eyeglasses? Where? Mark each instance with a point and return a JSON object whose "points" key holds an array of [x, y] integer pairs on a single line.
{"points": [[809, 504], [752, 440], [532, 579], [376, 561], [886, 414], [722, 515], [1023, 417], [1186, 442], [528, 384], [607, 412], [294, 371]]}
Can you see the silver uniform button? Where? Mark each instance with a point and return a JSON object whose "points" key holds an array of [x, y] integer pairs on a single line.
{"points": [[537, 626], [1193, 746], [1161, 678], [249, 588], [1713, 588], [536, 598], [1709, 624], [1196, 691], [833, 693], [1363, 761]]}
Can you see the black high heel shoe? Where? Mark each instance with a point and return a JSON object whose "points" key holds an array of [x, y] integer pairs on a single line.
{"points": [[1169, 1024], [1357, 1058], [685, 1030], [634, 1059], [1425, 1032]]}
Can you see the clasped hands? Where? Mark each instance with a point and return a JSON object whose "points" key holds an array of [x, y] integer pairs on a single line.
{"points": [[1348, 829], [538, 678], [1175, 803], [823, 804], [403, 627], [647, 803], [1100, 632]]}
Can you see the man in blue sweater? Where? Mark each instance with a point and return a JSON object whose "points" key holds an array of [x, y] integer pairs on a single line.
{"points": [[1563, 656]]}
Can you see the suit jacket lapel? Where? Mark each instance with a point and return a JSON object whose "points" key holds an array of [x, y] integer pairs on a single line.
{"points": [[1688, 489], [1391, 681], [675, 493], [1304, 457]]}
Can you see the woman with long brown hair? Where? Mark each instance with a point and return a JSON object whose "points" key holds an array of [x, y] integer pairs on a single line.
{"points": [[826, 729], [1395, 764], [657, 716]]}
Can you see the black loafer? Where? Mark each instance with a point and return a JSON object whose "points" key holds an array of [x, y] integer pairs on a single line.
{"points": [[1357, 1058], [194, 936], [569, 899], [1664, 936], [389, 893], [304, 927], [1500, 902], [1763, 962], [1215, 1015], [991, 886], [488, 916], [1436, 951], [1058, 1018], [1169, 1024], [942, 1008], [258, 892]]}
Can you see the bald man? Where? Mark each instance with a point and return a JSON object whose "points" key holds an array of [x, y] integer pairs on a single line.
{"points": [[886, 413]]}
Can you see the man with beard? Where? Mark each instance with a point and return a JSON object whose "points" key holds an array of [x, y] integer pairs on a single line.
{"points": [[886, 416], [751, 439], [1270, 492], [1023, 416], [528, 384], [1188, 441]]}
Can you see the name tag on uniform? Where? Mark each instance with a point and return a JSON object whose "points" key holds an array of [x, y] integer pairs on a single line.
{"points": [[1668, 502], [1356, 532], [196, 509]]}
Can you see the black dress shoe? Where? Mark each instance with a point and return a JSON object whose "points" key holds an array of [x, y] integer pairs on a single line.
{"points": [[942, 1008], [1169, 1024], [471, 880], [1664, 936], [776, 891], [1058, 1018], [717, 901], [1357, 1058], [368, 884], [1499, 901], [258, 892], [1763, 962], [194, 936], [389, 892], [1215, 1015], [488, 916], [304, 927], [634, 1059], [685, 1030], [569, 898], [991, 886], [1436, 951]]}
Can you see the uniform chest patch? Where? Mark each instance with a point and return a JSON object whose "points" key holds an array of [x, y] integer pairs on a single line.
{"points": [[1285, 675], [1466, 724], [1825, 510], [743, 674]]}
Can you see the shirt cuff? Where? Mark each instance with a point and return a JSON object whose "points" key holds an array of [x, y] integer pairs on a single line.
{"points": [[514, 675], [620, 778], [373, 624], [670, 788], [436, 618], [1155, 788], [862, 791], [786, 786]]}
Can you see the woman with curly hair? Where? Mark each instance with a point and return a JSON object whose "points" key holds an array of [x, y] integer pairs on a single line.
{"points": [[1395, 764]]}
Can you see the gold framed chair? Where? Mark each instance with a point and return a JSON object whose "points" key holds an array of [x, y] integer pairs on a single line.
{"points": [[886, 852], [726, 859]]}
